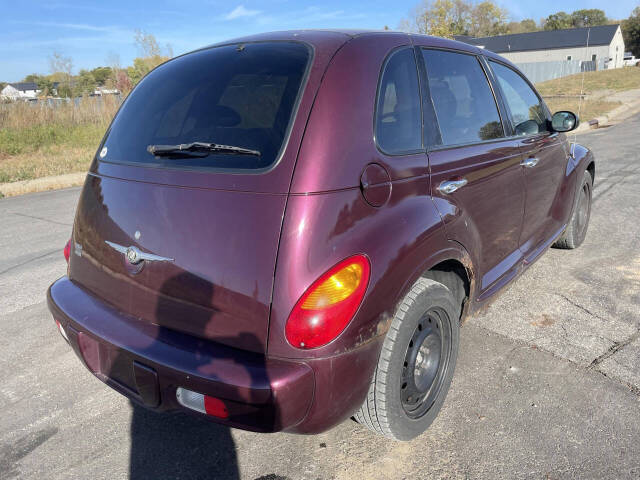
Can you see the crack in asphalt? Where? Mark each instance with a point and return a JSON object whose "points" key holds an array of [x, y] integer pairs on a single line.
{"points": [[42, 219], [584, 309], [613, 349], [28, 261]]}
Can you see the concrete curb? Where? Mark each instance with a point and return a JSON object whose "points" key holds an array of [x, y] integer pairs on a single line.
{"points": [[41, 184], [605, 120]]}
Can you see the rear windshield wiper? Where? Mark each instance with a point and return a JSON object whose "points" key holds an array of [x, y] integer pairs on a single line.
{"points": [[162, 150]]}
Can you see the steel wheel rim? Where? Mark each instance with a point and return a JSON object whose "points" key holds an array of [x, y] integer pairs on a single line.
{"points": [[426, 363]]}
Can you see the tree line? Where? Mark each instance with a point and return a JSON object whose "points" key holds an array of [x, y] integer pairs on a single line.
{"points": [[446, 18], [62, 82]]}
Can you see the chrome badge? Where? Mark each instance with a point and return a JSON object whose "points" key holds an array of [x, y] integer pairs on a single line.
{"points": [[134, 255]]}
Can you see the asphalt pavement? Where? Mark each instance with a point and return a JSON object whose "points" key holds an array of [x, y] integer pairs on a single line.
{"points": [[547, 383]]}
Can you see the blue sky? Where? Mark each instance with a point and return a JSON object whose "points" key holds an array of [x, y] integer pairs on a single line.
{"points": [[90, 33]]}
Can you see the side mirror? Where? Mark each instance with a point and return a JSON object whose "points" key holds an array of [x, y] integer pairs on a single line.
{"points": [[564, 121], [528, 127]]}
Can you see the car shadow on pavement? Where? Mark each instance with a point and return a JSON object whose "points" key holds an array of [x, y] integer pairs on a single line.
{"points": [[180, 445], [165, 445]]}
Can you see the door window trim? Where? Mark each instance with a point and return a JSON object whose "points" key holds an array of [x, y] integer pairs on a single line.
{"points": [[547, 112], [496, 97]]}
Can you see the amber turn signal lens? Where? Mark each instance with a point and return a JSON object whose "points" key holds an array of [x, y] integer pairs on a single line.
{"points": [[336, 288], [329, 304]]}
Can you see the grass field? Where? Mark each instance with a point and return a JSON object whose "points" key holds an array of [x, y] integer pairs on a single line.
{"points": [[598, 87], [38, 141], [617, 80]]}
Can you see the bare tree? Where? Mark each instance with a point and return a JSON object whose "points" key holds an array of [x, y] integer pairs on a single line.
{"points": [[147, 44], [62, 71], [151, 55]]}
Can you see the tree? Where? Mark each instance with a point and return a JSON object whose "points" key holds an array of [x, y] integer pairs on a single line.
{"points": [[123, 82], [32, 77], [446, 18], [588, 17], [557, 21], [488, 19], [151, 56], [85, 83], [61, 71], [524, 26], [101, 75], [631, 32], [528, 25]]}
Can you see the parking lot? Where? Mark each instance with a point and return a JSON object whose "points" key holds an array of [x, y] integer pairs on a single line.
{"points": [[547, 383]]}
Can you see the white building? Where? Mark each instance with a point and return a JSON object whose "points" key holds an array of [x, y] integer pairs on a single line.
{"points": [[20, 91], [602, 44]]}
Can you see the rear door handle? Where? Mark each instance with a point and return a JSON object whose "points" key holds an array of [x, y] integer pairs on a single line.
{"points": [[451, 186], [530, 162]]}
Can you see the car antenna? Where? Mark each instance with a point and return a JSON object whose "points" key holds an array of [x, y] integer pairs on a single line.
{"points": [[575, 134]]}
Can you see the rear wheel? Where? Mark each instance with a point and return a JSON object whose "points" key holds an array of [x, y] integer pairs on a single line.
{"points": [[416, 364], [576, 230]]}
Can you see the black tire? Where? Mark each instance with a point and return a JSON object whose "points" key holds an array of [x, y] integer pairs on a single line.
{"points": [[424, 332], [576, 230]]}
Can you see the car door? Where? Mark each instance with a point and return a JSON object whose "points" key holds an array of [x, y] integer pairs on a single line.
{"points": [[545, 155], [476, 177]]}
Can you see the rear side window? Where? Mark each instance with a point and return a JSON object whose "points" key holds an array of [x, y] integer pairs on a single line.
{"points": [[527, 113], [463, 101], [238, 95], [398, 125]]}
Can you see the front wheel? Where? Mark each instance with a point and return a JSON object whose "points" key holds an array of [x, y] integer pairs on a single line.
{"points": [[416, 364], [576, 230]]}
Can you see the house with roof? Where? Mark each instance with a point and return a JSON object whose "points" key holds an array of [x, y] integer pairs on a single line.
{"points": [[20, 91], [602, 44]]}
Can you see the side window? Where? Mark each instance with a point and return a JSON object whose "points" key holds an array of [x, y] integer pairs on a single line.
{"points": [[398, 125], [527, 112], [465, 106]]}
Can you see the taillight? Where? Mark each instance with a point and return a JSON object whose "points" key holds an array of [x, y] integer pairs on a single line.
{"points": [[325, 309], [202, 403], [67, 251]]}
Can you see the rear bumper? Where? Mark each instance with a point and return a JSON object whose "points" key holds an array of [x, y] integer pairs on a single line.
{"points": [[148, 363]]}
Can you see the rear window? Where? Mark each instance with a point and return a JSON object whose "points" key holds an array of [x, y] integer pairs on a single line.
{"points": [[241, 95], [398, 114]]}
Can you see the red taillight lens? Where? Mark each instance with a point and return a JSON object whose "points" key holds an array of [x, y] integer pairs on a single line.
{"points": [[325, 309], [202, 403], [215, 407], [67, 251]]}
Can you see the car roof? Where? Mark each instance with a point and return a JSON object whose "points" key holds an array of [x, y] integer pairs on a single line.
{"points": [[314, 36], [324, 37]]}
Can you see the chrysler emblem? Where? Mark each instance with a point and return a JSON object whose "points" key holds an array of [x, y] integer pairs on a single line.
{"points": [[134, 255]]}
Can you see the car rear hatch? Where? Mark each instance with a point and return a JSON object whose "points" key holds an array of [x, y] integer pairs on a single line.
{"points": [[188, 239]]}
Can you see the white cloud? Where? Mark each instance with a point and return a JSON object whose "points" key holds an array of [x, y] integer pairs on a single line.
{"points": [[241, 11]]}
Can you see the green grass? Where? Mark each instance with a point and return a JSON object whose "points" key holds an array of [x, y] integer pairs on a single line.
{"points": [[38, 141], [16, 141]]}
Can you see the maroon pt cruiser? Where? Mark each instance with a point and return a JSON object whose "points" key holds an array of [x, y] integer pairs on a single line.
{"points": [[287, 230]]}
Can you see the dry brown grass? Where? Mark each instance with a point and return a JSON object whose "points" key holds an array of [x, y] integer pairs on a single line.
{"points": [[41, 140], [587, 111], [616, 79], [50, 160]]}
